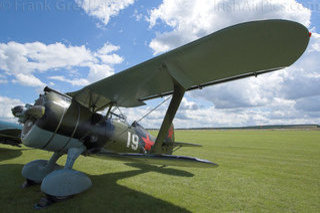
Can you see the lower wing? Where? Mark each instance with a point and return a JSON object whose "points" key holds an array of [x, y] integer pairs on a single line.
{"points": [[167, 160]]}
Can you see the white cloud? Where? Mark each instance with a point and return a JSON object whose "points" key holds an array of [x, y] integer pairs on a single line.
{"points": [[23, 61], [5, 107], [73, 82], [290, 96], [316, 45], [99, 71], [108, 48], [111, 59], [303, 78], [28, 80], [190, 20], [309, 104], [106, 55], [192, 114], [24, 58], [103, 9], [138, 16]]}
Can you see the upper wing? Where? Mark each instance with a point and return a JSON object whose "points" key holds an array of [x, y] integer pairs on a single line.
{"points": [[10, 133], [235, 52]]}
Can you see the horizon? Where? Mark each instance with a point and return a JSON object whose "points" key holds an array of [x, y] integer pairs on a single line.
{"points": [[246, 127]]}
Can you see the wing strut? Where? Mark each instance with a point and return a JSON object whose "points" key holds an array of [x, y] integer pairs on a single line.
{"points": [[178, 93]]}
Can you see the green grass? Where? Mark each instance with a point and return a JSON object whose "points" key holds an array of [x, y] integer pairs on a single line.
{"points": [[259, 171]]}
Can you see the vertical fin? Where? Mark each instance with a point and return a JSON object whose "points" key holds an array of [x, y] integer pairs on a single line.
{"points": [[170, 135]]}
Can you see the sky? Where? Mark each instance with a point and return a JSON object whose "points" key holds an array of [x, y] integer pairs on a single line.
{"points": [[67, 44]]}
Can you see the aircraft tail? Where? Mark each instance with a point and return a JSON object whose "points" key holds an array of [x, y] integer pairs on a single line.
{"points": [[168, 143], [170, 135], [171, 143]]}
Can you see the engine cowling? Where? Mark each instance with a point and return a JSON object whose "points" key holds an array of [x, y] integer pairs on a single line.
{"points": [[56, 123]]}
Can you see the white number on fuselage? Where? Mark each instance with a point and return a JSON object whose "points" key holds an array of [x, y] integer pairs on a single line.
{"points": [[133, 140]]}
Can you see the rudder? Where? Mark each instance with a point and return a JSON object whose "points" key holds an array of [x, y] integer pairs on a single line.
{"points": [[170, 135], [168, 144]]}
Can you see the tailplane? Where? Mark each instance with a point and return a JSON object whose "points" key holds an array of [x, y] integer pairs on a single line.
{"points": [[170, 145]]}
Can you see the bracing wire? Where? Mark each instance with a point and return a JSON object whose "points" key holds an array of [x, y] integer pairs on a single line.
{"points": [[144, 116], [148, 113]]}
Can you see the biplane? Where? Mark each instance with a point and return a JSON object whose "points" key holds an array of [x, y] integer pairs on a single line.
{"points": [[70, 123]]}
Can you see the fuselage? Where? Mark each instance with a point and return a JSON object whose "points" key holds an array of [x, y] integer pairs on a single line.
{"points": [[67, 124]]}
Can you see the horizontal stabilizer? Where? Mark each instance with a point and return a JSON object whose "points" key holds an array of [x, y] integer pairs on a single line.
{"points": [[167, 160], [182, 144]]}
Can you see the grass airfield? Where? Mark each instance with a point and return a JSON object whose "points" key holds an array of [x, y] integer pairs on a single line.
{"points": [[259, 171]]}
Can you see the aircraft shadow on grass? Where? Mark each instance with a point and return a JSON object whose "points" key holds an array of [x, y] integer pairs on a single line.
{"points": [[6, 154], [105, 193]]}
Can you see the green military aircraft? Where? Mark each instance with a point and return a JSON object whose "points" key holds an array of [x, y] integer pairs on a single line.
{"points": [[69, 123]]}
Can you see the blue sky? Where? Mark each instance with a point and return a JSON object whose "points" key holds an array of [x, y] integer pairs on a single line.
{"points": [[68, 44], [64, 21]]}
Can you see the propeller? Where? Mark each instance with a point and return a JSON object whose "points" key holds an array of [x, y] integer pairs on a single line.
{"points": [[28, 112]]}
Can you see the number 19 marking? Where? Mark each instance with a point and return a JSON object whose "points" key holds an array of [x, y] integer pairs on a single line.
{"points": [[133, 140]]}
